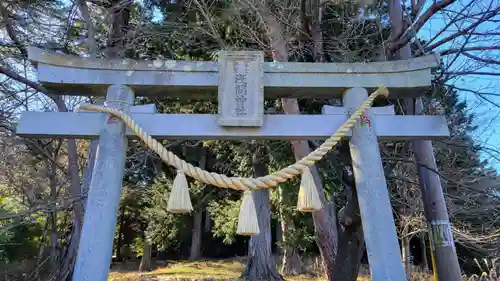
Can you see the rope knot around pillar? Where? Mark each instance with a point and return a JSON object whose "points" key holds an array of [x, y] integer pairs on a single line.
{"points": [[120, 105]]}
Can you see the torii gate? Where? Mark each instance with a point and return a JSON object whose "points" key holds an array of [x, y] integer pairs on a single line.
{"points": [[241, 80]]}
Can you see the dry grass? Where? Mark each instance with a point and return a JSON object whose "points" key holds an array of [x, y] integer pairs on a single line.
{"points": [[227, 270], [186, 270], [199, 270]]}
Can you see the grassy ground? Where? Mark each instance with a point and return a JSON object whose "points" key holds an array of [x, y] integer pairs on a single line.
{"points": [[185, 270], [216, 270]]}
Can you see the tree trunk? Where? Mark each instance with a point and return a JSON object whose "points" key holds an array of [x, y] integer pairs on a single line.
{"points": [[120, 234], [279, 234], [291, 261], [41, 256], [119, 24], [53, 214], [325, 225], [53, 238], [351, 239], [196, 235], [351, 248], [66, 270], [316, 31], [260, 264], [406, 254], [208, 222], [196, 232], [423, 246], [145, 264], [91, 156], [445, 257]]}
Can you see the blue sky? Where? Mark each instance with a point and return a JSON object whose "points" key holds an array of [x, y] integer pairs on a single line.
{"points": [[487, 115]]}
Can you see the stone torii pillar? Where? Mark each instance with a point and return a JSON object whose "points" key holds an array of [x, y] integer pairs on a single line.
{"points": [[96, 242], [381, 239]]}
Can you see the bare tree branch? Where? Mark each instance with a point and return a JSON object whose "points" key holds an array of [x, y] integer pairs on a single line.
{"points": [[84, 10], [7, 20], [418, 24], [485, 17], [13, 75], [458, 16], [485, 60], [72, 148], [471, 73], [468, 49]]}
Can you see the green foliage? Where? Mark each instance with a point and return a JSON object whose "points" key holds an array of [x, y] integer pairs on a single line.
{"points": [[164, 229], [5, 239], [19, 237], [224, 214], [20, 243], [138, 245]]}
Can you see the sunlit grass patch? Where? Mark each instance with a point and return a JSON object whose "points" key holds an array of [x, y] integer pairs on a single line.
{"points": [[215, 270]]}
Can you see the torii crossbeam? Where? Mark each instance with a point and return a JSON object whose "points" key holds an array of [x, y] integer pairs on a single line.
{"points": [[204, 126], [201, 79], [241, 81]]}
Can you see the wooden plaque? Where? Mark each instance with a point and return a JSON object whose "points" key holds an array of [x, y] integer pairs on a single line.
{"points": [[241, 89]]}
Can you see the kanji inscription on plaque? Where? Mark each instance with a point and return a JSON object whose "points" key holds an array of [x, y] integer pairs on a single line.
{"points": [[241, 89]]}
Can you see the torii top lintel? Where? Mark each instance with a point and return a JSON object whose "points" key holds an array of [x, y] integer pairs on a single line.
{"points": [[71, 75]]}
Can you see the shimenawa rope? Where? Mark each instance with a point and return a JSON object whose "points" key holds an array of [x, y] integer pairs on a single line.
{"points": [[240, 183]]}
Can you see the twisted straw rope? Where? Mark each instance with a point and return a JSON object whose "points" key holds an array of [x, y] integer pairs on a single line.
{"points": [[239, 183]]}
